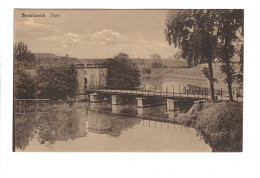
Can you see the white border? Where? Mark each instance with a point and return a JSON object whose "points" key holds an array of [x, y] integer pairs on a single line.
{"points": [[200, 165]]}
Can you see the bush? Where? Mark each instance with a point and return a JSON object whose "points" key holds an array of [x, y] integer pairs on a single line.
{"points": [[57, 82], [221, 126], [24, 85]]}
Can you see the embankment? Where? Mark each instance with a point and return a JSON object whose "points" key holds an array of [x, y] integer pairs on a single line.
{"points": [[220, 124]]}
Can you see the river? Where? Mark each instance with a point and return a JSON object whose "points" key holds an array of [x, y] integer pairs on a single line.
{"points": [[102, 127]]}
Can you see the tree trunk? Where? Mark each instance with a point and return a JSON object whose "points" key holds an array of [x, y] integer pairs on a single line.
{"points": [[227, 71], [229, 80], [211, 82]]}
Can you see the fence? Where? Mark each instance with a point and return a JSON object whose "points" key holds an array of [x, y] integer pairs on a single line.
{"points": [[22, 106]]}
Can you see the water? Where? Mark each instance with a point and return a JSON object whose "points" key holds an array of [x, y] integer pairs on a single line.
{"points": [[102, 127]]}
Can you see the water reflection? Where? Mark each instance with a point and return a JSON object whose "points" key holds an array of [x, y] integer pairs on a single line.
{"points": [[49, 127], [110, 124], [103, 127], [98, 123], [117, 109]]}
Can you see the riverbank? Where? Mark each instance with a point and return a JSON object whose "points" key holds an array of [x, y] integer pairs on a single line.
{"points": [[220, 124]]}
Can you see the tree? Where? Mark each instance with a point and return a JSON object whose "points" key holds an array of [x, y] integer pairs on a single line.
{"points": [[157, 61], [122, 72], [229, 22], [23, 56], [24, 85], [57, 82], [193, 32]]}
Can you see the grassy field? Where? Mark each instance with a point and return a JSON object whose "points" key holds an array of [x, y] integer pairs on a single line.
{"points": [[184, 76]]}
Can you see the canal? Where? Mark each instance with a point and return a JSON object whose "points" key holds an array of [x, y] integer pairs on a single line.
{"points": [[103, 127]]}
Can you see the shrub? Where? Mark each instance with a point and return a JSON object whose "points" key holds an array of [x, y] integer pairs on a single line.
{"points": [[57, 82], [24, 84], [221, 126]]}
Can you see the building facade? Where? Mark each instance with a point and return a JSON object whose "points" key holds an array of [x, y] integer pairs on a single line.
{"points": [[91, 76]]}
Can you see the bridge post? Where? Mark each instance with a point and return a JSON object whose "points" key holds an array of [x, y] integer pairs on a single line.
{"points": [[140, 102], [116, 99], [93, 97], [170, 104]]}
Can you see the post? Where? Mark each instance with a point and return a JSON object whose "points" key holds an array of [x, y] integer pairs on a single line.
{"points": [[170, 104], [140, 102], [167, 91], [154, 90], [20, 106], [93, 97], [180, 90], [116, 99], [173, 90], [221, 93], [24, 106]]}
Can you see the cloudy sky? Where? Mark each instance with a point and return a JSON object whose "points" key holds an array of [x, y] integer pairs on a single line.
{"points": [[94, 33]]}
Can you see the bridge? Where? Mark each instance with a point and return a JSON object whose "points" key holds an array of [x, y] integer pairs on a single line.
{"points": [[148, 98]]}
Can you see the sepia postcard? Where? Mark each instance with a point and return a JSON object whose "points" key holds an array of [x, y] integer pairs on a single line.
{"points": [[128, 80]]}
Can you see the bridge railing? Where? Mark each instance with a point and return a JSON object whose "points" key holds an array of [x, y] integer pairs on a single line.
{"points": [[190, 92]]}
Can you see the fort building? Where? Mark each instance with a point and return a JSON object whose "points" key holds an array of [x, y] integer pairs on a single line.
{"points": [[91, 76]]}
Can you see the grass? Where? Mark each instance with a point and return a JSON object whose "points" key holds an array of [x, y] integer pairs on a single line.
{"points": [[183, 76]]}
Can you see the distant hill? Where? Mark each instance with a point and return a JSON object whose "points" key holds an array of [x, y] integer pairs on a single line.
{"points": [[39, 56], [49, 58]]}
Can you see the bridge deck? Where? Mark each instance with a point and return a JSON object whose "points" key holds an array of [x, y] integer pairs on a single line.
{"points": [[158, 94]]}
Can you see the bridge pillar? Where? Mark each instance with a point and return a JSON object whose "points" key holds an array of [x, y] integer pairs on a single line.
{"points": [[93, 97], [171, 104], [140, 102], [116, 99]]}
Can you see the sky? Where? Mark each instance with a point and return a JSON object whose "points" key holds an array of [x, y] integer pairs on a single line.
{"points": [[94, 33]]}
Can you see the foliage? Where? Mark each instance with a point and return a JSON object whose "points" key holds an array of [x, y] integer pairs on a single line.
{"points": [[55, 126], [157, 61], [58, 125], [148, 71], [56, 82], [24, 84], [23, 56], [122, 72], [24, 130], [193, 32], [206, 73], [228, 69], [229, 24], [221, 126]]}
